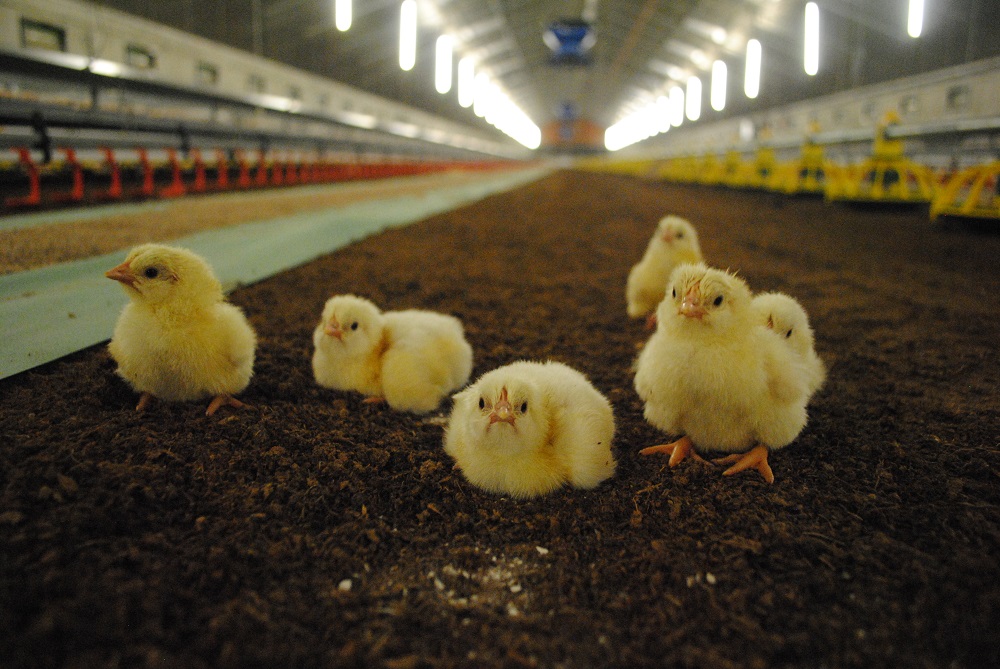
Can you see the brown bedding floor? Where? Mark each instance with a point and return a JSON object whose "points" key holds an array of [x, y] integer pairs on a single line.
{"points": [[317, 531]]}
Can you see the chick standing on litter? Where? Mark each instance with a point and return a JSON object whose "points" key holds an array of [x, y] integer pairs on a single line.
{"points": [[178, 339], [783, 314], [717, 376], [412, 359], [528, 428], [674, 243]]}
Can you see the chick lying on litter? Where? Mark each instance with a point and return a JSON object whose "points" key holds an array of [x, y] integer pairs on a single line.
{"points": [[528, 428], [412, 359]]}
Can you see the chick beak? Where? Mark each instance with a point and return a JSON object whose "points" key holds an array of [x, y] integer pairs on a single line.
{"points": [[668, 237], [770, 322], [691, 305], [502, 412], [333, 329], [122, 274]]}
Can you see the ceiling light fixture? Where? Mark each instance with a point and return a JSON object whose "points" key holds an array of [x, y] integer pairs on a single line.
{"points": [[443, 63], [466, 82], [751, 80], [811, 55], [342, 13], [408, 35], [692, 107], [915, 18], [676, 106], [718, 92]]}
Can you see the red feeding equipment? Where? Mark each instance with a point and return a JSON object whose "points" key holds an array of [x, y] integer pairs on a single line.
{"points": [[75, 193], [176, 186], [114, 190], [148, 188], [243, 180], [34, 196], [200, 184], [221, 170]]}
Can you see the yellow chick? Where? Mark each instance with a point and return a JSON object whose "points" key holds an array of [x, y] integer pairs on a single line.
{"points": [[412, 359], [716, 375], [528, 428], [178, 339], [783, 314], [675, 242]]}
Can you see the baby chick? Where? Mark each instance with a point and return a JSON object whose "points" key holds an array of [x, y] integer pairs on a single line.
{"points": [[528, 428], [783, 314], [674, 243], [716, 375], [178, 339], [411, 358]]}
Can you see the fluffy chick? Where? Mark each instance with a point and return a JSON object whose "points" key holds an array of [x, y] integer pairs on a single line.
{"points": [[178, 339], [411, 358], [675, 242], [716, 375], [783, 314], [528, 428]]}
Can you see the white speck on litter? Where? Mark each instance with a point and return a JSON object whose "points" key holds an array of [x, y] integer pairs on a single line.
{"points": [[345, 585], [710, 578], [438, 584], [512, 611], [516, 588], [542, 551]]}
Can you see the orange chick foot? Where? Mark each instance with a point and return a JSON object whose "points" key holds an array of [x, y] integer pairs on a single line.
{"points": [[221, 401], [755, 458], [678, 450], [373, 400]]}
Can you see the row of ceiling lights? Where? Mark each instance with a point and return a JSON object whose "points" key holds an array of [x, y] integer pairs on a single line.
{"points": [[475, 89], [671, 109]]}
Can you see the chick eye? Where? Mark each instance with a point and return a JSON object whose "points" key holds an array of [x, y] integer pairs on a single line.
{"points": [[524, 407], [680, 235], [788, 334], [717, 300], [151, 273], [354, 326], [482, 403], [673, 293]]}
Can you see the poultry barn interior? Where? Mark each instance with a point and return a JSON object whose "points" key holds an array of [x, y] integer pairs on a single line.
{"points": [[506, 165]]}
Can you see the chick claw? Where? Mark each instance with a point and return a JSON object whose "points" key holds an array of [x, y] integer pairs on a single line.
{"points": [[678, 450], [223, 400], [755, 458], [144, 401]]}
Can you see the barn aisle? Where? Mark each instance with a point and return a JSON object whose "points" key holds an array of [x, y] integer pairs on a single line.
{"points": [[314, 529]]}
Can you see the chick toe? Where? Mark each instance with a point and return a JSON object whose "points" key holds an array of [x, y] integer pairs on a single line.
{"points": [[755, 458], [678, 450], [221, 401]]}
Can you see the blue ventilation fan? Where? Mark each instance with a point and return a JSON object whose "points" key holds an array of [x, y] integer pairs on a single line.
{"points": [[570, 41]]}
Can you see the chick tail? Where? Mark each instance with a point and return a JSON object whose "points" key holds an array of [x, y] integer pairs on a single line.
{"points": [[678, 450], [755, 458], [223, 400]]}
